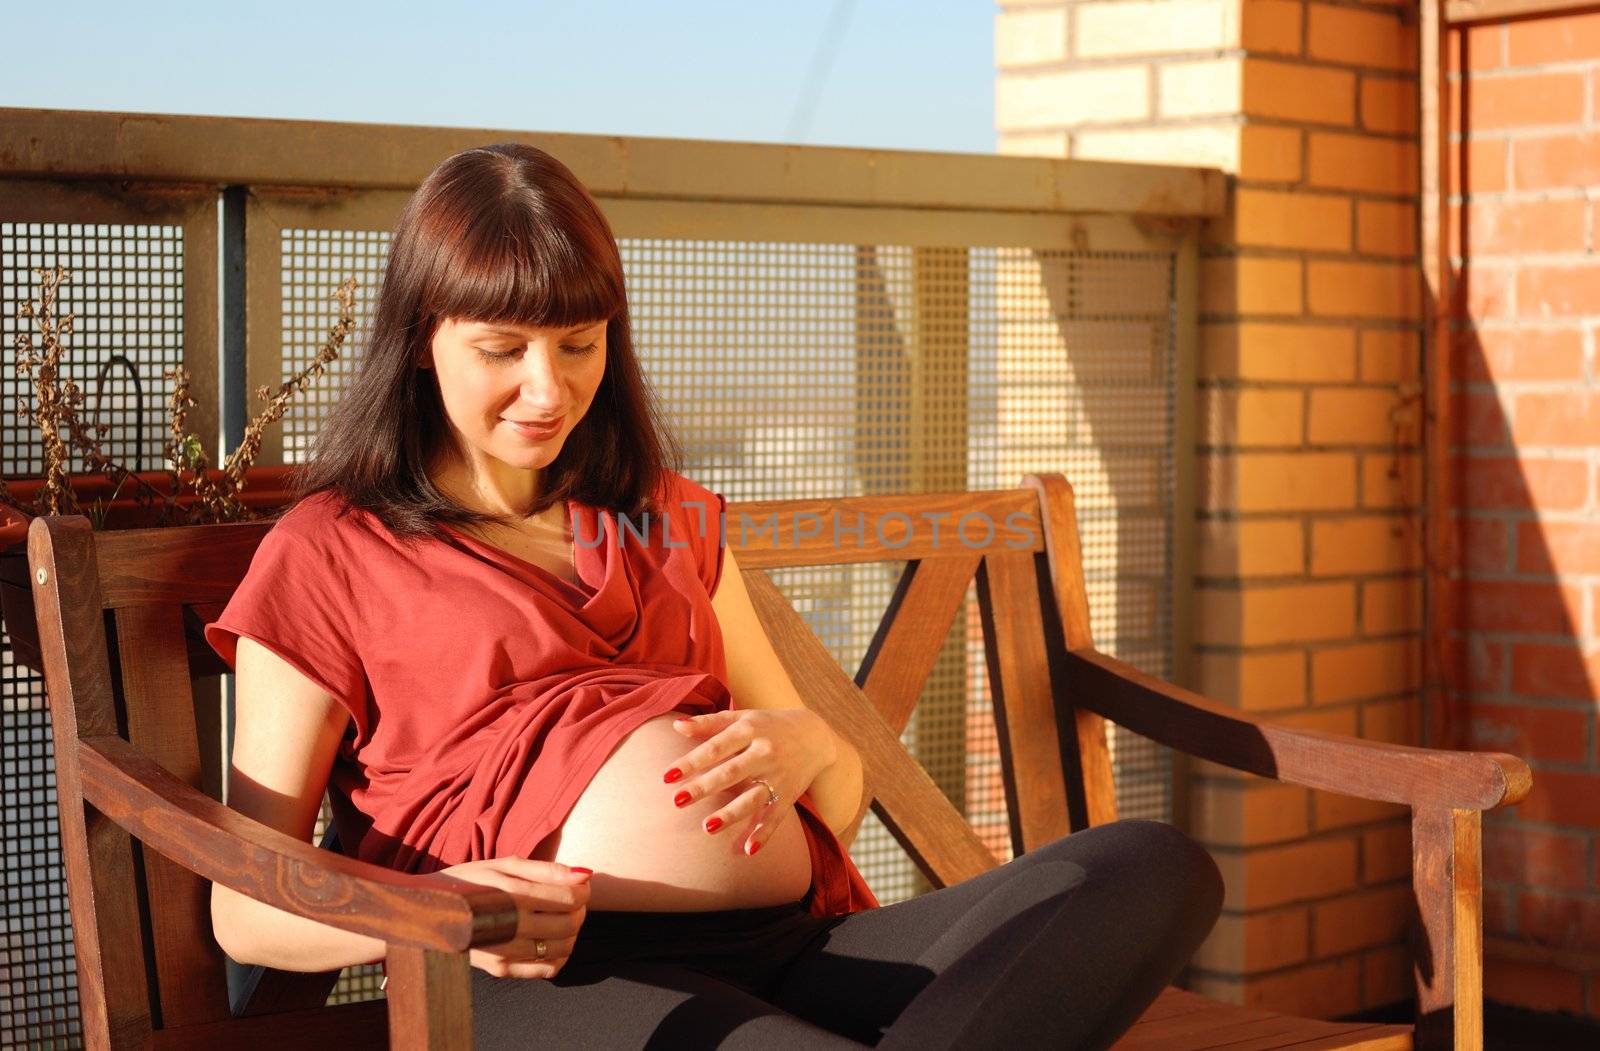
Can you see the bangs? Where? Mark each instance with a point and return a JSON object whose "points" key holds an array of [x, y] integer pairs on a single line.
{"points": [[502, 270]]}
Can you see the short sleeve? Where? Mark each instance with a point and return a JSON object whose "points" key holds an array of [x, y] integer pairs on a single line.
{"points": [[294, 601], [703, 511]]}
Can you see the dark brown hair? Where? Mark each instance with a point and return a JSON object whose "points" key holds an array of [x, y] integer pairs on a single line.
{"points": [[497, 234]]}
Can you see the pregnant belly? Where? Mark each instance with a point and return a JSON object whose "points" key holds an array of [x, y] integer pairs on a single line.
{"points": [[649, 855]]}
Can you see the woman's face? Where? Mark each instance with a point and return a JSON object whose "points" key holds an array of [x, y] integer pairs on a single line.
{"points": [[493, 377]]}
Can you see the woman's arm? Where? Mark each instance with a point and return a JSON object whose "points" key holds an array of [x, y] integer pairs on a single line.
{"points": [[286, 733], [757, 679]]}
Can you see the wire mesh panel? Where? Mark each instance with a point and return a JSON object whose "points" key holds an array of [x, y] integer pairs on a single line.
{"points": [[314, 263], [38, 978], [1074, 370], [125, 292]]}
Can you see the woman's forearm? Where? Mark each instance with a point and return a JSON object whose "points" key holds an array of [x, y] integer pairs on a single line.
{"points": [[838, 789], [254, 933]]}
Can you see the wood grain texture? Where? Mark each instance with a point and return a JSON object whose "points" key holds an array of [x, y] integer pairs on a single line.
{"points": [[178, 565], [1183, 1021], [1447, 929], [930, 594], [430, 1001], [191, 977], [1374, 770], [359, 1026], [1024, 707], [108, 941], [1091, 788], [853, 529], [1457, 12]]}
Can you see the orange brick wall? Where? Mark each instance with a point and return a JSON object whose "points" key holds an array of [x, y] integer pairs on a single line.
{"points": [[1527, 408], [1309, 594]]}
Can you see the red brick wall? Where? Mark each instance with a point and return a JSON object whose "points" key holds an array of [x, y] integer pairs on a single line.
{"points": [[1527, 422]]}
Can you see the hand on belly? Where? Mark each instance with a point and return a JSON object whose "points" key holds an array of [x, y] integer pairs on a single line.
{"points": [[648, 854]]}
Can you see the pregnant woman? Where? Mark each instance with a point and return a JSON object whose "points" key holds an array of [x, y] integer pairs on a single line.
{"points": [[500, 629]]}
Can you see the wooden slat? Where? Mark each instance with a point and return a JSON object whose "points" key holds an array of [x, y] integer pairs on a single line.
{"points": [[1024, 706], [1093, 796], [913, 631], [853, 529], [905, 798], [331, 157], [1064, 551], [430, 1001], [177, 565], [191, 976], [1460, 11], [1444, 662], [359, 1026], [113, 988], [1374, 770], [1358, 1037], [1447, 878], [1183, 1021]]}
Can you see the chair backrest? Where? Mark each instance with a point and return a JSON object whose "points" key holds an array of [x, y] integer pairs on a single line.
{"points": [[120, 617], [1022, 548]]}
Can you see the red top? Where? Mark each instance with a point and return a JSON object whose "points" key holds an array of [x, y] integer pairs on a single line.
{"points": [[485, 691]]}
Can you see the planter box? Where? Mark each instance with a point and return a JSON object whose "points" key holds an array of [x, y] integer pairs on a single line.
{"points": [[267, 489]]}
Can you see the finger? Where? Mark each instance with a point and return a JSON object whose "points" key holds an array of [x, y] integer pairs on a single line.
{"points": [[537, 880], [765, 829], [724, 734], [525, 948], [726, 774], [705, 723], [521, 962], [746, 806], [540, 871], [533, 923]]}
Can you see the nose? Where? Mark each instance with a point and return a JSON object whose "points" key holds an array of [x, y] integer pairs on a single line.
{"points": [[542, 380]]}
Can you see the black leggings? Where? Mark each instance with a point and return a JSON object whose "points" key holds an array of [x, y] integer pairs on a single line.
{"points": [[1062, 947]]}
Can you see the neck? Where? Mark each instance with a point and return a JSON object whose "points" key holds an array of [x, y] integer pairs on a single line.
{"points": [[511, 492]]}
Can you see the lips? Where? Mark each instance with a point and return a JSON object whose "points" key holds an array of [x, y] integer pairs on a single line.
{"points": [[537, 430]]}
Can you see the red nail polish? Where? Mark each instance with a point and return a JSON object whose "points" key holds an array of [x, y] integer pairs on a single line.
{"points": [[682, 798], [673, 775], [755, 845], [713, 823], [580, 868]]}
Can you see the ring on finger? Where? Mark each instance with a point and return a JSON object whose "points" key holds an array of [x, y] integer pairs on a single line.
{"points": [[538, 948], [772, 794]]}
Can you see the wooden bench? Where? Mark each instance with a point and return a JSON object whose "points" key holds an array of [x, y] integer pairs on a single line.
{"points": [[119, 618]]}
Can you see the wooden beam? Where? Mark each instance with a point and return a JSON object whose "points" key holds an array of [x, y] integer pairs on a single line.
{"points": [[1460, 11], [56, 144]]}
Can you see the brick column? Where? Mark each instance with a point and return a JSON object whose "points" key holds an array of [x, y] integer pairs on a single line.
{"points": [[1309, 594]]}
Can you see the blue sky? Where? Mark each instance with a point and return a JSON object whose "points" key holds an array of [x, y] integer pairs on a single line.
{"points": [[905, 74]]}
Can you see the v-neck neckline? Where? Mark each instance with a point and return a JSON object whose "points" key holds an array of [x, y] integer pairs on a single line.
{"points": [[589, 592]]}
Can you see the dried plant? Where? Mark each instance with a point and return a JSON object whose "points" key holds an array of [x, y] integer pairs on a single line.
{"points": [[57, 411]]}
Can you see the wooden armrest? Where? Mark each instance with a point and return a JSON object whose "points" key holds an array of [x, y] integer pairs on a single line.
{"points": [[1375, 770], [227, 847]]}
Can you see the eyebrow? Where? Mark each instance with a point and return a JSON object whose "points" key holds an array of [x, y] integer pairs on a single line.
{"points": [[503, 331]]}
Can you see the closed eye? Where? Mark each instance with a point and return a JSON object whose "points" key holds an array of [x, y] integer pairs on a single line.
{"points": [[507, 355]]}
